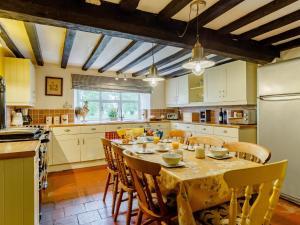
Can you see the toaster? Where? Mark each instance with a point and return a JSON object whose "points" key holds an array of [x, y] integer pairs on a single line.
{"points": [[248, 116]]}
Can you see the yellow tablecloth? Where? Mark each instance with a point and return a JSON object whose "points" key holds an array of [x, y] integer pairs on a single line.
{"points": [[198, 185]]}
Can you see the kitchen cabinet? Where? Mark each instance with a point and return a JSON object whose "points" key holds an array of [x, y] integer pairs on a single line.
{"points": [[91, 146], [230, 84], [19, 76], [181, 91]]}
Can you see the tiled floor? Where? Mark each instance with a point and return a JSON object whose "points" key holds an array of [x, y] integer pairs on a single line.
{"points": [[75, 197]]}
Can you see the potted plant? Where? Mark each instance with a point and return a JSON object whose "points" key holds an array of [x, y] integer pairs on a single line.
{"points": [[113, 114]]}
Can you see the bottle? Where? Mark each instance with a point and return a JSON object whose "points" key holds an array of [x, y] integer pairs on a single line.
{"points": [[221, 116], [225, 117]]}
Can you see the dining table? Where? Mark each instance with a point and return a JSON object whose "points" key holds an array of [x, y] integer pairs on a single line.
{"points": [[198, 185]]}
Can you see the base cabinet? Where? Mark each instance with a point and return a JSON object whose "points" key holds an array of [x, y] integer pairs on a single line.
{"points": [[91, 147]]}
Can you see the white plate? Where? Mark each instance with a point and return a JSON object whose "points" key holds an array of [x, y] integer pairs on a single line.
{"points": [[180, 164], [145, 152], [219, 158], [162, 149]]}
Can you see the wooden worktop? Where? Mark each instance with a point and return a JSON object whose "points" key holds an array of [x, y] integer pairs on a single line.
{"points": [[20, 149], [239, 126]]}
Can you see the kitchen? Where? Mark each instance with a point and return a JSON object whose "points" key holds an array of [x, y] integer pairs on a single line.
{"points": [[75, 73]]}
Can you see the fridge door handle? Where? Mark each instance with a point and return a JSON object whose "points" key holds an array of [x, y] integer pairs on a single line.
{"points": [[280, 97]]}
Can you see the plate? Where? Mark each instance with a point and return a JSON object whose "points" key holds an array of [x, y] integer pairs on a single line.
{"points": [[119, 142], [145, 152], [219, 158], [163, 150], [180, 164]]}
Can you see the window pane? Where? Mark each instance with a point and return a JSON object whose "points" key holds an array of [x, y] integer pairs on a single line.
{"points": [[88, 95], [94, 113], [109, 108], [130, 110], [127, 96], [110, 96]]}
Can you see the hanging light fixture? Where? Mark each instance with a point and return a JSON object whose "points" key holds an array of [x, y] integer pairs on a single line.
{"points": [[153, 77], [198, 63]]}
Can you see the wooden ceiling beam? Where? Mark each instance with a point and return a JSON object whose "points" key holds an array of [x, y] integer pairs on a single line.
{"points": [[173, 8], [282, 36], [34, 42], [275, 24], [215, 11], [288, 45], [178, 73], [141, 58], [132, 46], [140, 26], [256, 14], [9, 43], [163, 61], [98, 49], [68, 44], [129, 5]]}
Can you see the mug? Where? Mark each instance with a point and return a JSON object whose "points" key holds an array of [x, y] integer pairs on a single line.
{"points": [[140, 140], [199, 152]]}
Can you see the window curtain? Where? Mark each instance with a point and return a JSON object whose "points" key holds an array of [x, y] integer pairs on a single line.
{"points": [[100, 83]]}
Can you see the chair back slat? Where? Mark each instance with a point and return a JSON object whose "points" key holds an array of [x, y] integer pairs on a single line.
{"points": [[178, 134], [207, 141], [108, 154], [143, 172], [269, 178], [121, 166], [249, 151]]}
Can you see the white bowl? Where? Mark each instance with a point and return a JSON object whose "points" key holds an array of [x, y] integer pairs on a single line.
{"points": [[171, 158], [220, 152]]}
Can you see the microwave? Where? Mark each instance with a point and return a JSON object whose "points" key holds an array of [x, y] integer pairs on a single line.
{"points": [[246, 116]]}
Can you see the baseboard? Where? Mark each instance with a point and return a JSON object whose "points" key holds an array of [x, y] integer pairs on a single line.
{"points": [[290, 199], [80, 165]]}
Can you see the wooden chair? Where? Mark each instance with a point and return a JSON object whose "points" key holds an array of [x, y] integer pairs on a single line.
{"points": [[112, 172], [270, 178], [206, 141], [179, 134], [150, 201], [249, 151], [125, 184]]}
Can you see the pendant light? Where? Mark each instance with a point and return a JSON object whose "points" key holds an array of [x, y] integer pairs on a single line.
{"points": [[152, 77], [198, 63]]}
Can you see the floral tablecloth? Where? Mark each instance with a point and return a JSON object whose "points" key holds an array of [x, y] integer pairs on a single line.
{"points": [[198, 185]]}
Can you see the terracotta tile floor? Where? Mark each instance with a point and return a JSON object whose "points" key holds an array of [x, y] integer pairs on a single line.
{"points": [[75, 197]]}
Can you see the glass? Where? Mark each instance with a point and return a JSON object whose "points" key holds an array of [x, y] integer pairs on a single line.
{"points": [[88, 95], [155, 139], [175, 145], [93, 114], [127, 96], [109, 96], [107, 108], [130, 110]]}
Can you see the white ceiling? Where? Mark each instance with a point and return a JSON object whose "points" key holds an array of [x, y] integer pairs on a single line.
{"points": [[52, 38]]}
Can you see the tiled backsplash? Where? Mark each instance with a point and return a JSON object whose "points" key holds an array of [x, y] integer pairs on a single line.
{"points": [[39, 115]]}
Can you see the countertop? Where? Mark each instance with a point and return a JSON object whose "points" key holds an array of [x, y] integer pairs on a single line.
{"points": [[20, 149], [239, 126]]}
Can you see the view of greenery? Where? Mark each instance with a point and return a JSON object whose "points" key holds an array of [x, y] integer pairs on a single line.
{"points": [[104, 105]]}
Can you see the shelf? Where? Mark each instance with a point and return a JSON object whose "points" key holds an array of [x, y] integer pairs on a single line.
{"points": [[195, 88]]}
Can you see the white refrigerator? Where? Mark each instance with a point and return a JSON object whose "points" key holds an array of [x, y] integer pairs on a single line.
{"points": [[279, 119]]}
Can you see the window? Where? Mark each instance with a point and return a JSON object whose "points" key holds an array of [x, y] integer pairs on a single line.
{"points": [[103, 104]]}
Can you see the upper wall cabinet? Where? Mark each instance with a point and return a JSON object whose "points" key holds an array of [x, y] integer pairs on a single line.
{"points": [[181, 91], [231, 84], [19, 76]]}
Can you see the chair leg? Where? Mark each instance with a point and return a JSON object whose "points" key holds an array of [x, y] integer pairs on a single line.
{"points": [[115, 193], [139, 218], [118, 205], [106, 186], [129, 209]]}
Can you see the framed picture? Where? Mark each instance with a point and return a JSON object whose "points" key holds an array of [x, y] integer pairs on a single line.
{"points": [[54, 86]]}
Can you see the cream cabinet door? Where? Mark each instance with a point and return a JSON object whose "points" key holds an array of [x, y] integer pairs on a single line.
{"points": [[183, 90], [66, 149], [236, 89], [215, 84], [171, 92], [91, 146]]}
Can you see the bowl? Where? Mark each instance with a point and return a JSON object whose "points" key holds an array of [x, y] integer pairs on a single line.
{"points": [[171, 159], [219, 152]]}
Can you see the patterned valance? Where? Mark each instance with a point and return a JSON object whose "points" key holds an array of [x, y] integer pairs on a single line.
{"points": [[100, 83]]}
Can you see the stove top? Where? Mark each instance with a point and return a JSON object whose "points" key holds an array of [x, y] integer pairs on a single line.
{"points": [[20, 134]]}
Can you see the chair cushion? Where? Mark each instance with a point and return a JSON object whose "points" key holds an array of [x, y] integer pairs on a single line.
{"points": [[214, 215]]}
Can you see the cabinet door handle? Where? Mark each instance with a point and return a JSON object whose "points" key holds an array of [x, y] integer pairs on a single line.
{"points": [[83, 141], [204, 128], [78, 143], [67, 130], [225, 131], [93, 128], [119, 128]]}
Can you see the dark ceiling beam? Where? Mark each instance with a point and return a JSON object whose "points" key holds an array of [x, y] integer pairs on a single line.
{"points": [[280, 22], [282, 36], [178, 73], [35, 43], [173, 8], [288, 45], [69, 40], [141, 58], [129, 5], [141, 26], [9, 43], [98, 49], [173, 66], [256, 14], [122, 55], [215, 11], [163, 61]]}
